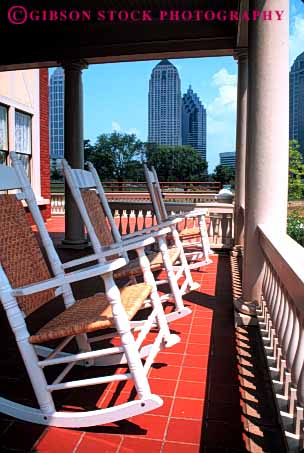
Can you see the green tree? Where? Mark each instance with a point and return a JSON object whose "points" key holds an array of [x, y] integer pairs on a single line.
{"points": [[296, 172], [224, 174], [176, 163], [116, 156]]}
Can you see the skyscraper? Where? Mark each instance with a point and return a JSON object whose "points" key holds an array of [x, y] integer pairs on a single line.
{"points": [[194, 122], [227, 159], [56, 115], [165, 105], [296, 101]]}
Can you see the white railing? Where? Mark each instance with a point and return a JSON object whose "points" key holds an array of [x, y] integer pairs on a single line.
{"points": [[281, 320], [132, 215]]}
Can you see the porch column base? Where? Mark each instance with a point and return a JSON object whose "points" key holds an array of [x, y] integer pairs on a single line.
{"points": [[238, 250], [76, 245], [244, 320], [245, 313], [246, 308]]}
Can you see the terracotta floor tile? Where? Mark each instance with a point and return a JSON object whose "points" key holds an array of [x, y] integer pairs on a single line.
{"points": [[193, 374], [95, 443], [159, 371], [188, 431], [174, 447], [150, 426], [169, 358], [132, 445], [188, 408], [187, 389], [163, 387], [201, 329], [165, 408], [203, 322], [197, 349], [178, 348], [203, 339], [54, 440], [196, 361]]}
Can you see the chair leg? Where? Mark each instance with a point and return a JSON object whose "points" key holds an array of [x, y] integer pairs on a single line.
{"points": [[204, 237], [127, 340], [168, 338], [29, 355], [183, 259], [180, 309]]}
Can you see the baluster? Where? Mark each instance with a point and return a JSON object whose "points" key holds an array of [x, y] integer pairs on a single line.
{"points": [[297, 364], [272, 304], [211, 230], [277, 352], [216, 229], [136, 214], [128, 227], [144, 218], [282, 333], [120, 216], [292, 349], [262, 309]]}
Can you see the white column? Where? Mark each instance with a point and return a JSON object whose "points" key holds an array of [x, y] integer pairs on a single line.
{"points": [[241, 130], [73, 148], [267, 138]]}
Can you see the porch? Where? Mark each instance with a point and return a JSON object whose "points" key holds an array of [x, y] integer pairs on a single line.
{"points": [[215, 384], [227, 402]]}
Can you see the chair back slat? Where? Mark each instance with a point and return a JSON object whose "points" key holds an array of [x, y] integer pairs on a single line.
{"points": [[20, 254]]}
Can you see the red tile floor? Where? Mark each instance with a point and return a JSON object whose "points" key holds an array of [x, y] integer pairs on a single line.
{"points": [[197, 379]]}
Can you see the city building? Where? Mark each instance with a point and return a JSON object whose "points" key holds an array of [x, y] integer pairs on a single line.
{"points": [[165, 105], [194, 122], [56, 103], [227, 159], [296, 101], [24, 127]]}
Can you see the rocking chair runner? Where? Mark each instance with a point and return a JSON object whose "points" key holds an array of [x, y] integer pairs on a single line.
{"points": [[195, 240], [27, 284], [93, 206]]}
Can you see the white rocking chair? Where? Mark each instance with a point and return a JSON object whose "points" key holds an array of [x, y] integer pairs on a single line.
{"points": [[93, 206], [195, 240], [26, 284]]}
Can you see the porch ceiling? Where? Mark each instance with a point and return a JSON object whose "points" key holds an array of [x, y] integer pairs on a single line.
{"points": [[45, 43]]}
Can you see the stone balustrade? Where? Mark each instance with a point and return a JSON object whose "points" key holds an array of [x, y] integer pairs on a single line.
{"points": [[281, 321], [133, 215]]}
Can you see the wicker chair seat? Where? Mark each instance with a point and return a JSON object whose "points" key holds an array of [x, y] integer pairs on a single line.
{"points": [[156, 262], [188, 232], [91, 314]]}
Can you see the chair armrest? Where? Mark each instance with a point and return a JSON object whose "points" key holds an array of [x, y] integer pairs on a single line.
{"points": [[79, 261], [133, 244], [191, 214], [153, 228], [83, 274]]}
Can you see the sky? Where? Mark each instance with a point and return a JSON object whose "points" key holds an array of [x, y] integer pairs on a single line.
{"points": [[116, 95]]}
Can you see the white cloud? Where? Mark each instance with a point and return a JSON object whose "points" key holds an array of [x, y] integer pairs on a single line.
{"points": [[116, 126], [296, 38], [133, 130], [221, 113], [225, 101]]}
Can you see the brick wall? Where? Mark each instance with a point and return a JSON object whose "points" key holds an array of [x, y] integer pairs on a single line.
{"points": [[44, 142]]}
